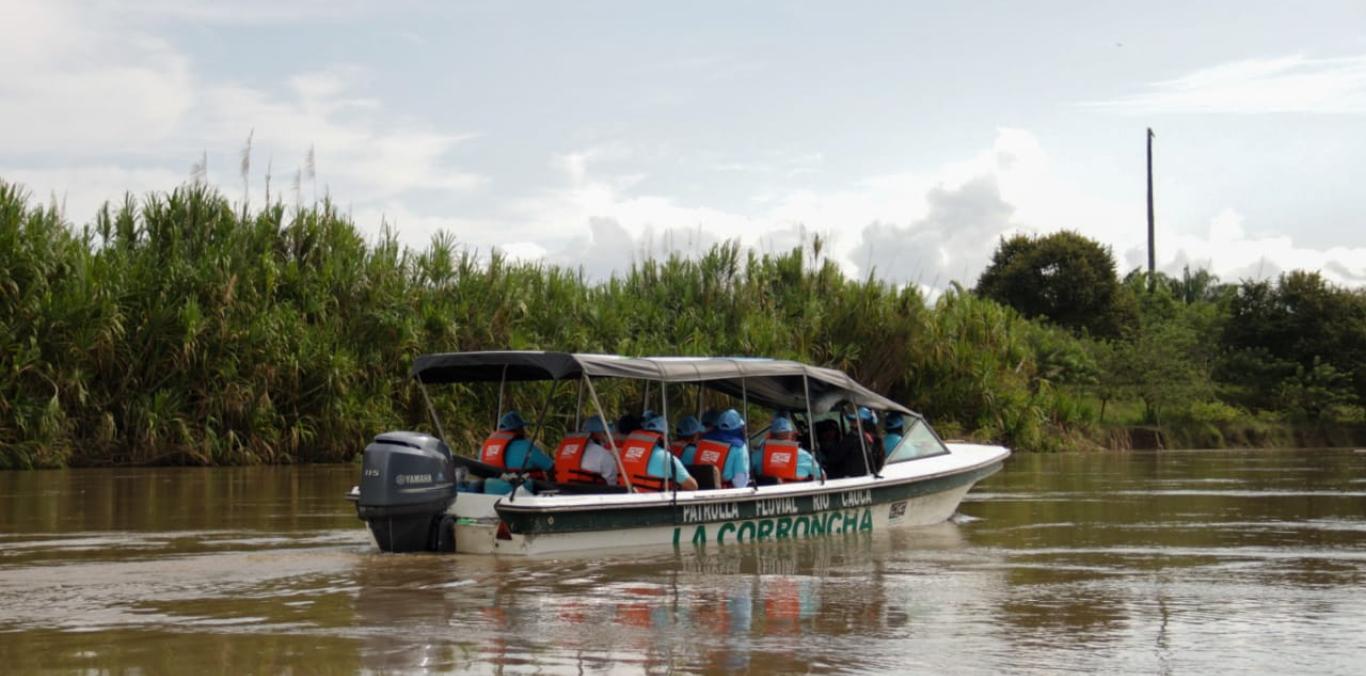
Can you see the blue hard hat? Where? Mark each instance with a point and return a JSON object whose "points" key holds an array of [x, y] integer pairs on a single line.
{"points": [[730, 421], [894, 421], [647, 414], [656, 424], [781, 426], [864, 414], [594, 424], [689, 426], [512, 420], [709, 417]]}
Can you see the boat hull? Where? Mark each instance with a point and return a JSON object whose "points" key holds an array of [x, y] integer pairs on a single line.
{"points": [[920, 493]]}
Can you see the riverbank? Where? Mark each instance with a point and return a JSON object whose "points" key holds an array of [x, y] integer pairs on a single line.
{"points": [[1243, 434]]}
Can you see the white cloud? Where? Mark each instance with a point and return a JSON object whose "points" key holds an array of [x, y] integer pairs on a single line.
{"points": [[241, 11], [70, 87], [924, 228], [953, 241], [1228, 251], [1290, 84], [98, 184], [91, 92]]}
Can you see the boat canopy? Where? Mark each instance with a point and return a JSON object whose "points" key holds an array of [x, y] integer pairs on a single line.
{"points": [[770, 382]]}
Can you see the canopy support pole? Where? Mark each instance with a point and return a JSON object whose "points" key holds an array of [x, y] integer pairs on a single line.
{"points": [[578, 408], [501, 382], [811, 429], [440, 432], [744, 419], [611, 442], [664, 406], [862, 441], [540, 422]]}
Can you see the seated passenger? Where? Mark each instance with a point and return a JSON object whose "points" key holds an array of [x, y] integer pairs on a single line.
{"points": [[893, 426], [686, 436], [626, 424], [509, 449], [782, 457], [848, 458], [726, 449], [709, 420], [651, 467], [584, 458]]}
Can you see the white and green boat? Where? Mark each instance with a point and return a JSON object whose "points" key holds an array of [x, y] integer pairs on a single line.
{"points": [[413, 493]]}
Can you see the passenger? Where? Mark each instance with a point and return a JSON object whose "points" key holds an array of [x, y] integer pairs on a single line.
{"points": [[782, 457], [509, 449], [725, 448], [651, 466], [686, 436], [847, 458], [585, 459], [709, 420], [893, 425], [626, 424]]}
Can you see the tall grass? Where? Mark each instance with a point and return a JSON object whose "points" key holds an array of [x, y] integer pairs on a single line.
{"points": [[178, 328]]}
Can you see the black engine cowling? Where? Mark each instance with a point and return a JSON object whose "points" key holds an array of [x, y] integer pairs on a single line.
{"points": [[407, 482]]}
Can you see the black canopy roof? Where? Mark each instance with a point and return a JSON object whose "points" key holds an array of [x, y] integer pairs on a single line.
{"points": [[770, 382]]}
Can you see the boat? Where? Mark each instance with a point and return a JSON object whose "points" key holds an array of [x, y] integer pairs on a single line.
{"points": [[414, 492]]}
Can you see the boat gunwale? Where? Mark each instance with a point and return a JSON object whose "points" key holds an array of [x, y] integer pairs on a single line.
{"points": [[793, 490]]}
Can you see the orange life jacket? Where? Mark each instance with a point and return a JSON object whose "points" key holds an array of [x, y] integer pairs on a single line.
{"points": [[569, 460], [711, 452], [780, 460], [677, 447], [491, 453], [635, 459]]}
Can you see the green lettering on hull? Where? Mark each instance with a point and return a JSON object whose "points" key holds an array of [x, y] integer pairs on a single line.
{"points": [[785, 527], [721, 532]]}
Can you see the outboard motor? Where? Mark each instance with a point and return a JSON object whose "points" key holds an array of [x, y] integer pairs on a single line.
{"points": [[407, 482]]}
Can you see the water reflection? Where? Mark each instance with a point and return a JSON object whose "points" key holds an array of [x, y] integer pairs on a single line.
{"points": [[1107, 562]]}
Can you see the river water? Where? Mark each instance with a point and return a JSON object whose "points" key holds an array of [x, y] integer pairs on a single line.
{"points": [[1172, 562]]}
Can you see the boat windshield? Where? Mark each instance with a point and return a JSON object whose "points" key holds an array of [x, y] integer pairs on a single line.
{"points": [[919, 442]]}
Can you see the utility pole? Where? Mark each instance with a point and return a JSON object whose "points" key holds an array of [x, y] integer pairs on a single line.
{"points": [[1152, 256]]}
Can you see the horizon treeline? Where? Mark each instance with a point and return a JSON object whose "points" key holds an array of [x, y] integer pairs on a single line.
{"points": [[180, 328]]}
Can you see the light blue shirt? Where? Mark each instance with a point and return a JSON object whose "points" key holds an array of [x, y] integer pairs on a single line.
{"points": [[736, 471], [659, 466], [889, 442], [516, 452]]}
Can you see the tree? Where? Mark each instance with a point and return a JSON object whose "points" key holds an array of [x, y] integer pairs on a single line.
{"points": [[1286, 335], [1064, 277]]}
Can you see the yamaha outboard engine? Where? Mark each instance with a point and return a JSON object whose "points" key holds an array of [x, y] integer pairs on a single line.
{"points": [[407, 482]]}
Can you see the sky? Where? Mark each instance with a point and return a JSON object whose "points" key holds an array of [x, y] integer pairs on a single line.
{"points": [[912, 136]]}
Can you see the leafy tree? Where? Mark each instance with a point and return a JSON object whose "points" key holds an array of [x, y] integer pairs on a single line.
{"points": [[1064, 277], [1285, 331], [1160, 365]]}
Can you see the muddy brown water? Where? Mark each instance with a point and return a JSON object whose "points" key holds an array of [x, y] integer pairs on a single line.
{"points": [[1173, 562]]}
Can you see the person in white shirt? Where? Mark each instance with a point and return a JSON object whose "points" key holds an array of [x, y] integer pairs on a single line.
{"points": [[597, 458]]}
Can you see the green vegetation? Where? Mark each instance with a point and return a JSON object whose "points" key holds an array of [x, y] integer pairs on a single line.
{"points": [[1209, 364], [1064, 277], [180, 328]]}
